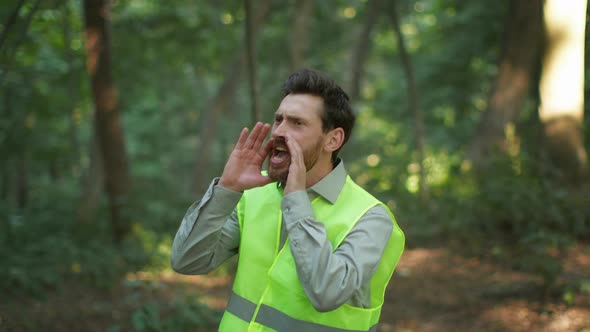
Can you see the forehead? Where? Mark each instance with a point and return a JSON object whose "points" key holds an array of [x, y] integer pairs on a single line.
{"points": [[302, 105]]}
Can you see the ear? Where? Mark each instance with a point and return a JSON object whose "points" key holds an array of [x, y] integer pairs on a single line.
{"points": [[334, 139]]}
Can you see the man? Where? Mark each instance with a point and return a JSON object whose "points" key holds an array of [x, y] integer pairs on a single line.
{"points": [[315, 250]]}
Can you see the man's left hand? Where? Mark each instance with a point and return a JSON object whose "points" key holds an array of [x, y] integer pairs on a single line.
{"points": [[297, 171]]}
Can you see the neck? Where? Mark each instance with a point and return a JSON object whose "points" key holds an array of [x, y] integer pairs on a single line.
{"points": [[318, 172]]}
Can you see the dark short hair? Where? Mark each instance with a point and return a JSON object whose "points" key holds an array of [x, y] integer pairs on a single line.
{"points": [[337, 110]]}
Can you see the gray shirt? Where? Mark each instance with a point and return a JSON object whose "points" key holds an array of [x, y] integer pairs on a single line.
{"points": [[210, 234]]}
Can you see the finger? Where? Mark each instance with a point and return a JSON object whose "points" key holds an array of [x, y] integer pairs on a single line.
{"points": [[253, 136], [294, 150], [266, 149], [242, 138], [263, 133], [297, 177]]}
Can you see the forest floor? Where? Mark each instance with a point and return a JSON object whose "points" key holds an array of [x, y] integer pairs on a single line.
{"points": [[433, 290]]}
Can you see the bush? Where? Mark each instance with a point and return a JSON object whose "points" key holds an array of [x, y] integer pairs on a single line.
{"points": [[516, 210], [44, 247]]}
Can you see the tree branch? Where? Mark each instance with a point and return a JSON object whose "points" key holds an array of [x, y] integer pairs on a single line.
{"points": [[10, 22]]}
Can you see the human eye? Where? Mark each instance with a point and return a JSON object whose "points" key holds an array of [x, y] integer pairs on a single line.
{"points": [[297, 122]]}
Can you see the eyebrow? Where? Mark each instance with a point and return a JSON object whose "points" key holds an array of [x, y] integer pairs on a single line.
{"points": [[290, 117]]}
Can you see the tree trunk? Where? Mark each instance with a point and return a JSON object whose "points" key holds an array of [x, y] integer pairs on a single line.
{"points": [[91, 186], [362, 49], [412, 91], [299, 38], [8, 54], [4, 182], [250, 40], [10, 22], [522, 41], [7, 180], [92, 177], [22, 182], [562, 86], [208, 124], [73, 80], [107, 117], [5, 203], [220, 103]]}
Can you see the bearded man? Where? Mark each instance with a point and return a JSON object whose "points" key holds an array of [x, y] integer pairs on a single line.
{"points": [[316, 251]]}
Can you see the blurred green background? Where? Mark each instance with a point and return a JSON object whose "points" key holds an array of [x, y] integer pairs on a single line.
{"points": [[99, 163]]}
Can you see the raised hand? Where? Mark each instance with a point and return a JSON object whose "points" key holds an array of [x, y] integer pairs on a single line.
{"points": [[244, 165], [297, 170]]}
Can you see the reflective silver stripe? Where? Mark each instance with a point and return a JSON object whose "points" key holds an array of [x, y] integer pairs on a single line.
{"points": [[279, 321], [241, 307], [276, 319]]}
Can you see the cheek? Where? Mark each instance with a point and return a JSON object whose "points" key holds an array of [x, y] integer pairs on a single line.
{"points": [[304, 142], [311, 144]]}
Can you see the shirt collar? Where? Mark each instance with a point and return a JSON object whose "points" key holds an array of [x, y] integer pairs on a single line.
{"points": [[330, 186]]}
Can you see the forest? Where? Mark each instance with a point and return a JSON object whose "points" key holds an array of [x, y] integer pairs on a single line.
{"points": [[472, 126]]}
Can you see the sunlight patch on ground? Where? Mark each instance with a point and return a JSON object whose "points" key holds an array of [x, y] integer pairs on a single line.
{"points": [[214, 302], [201, 281], [521, 314], [213, 290], [417, 257], [511, 314], [412, 259]]}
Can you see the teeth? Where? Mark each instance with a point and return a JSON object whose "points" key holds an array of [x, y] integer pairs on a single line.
{"points": [[280, 148]]}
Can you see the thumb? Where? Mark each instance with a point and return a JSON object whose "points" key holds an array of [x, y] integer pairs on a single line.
{"points": [[265, 179]]}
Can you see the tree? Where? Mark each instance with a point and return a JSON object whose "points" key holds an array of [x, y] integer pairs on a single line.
{"points": [[9, 46], [250, 39], [300, 34], [362, 49], [521, 49], [222, 100], [7, 26], [412, 91], [106, 116], [7, 54], [562, 85], [91, 186]]}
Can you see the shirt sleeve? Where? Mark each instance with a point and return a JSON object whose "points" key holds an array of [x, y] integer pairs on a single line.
{"points": [[209, 233], [330, 277]]}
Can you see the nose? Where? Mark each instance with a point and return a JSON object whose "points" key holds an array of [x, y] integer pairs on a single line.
{"points": [[279, 129]]}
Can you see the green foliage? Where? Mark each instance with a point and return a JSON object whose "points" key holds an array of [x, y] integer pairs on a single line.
{"points": [[184, 315], [41, 249], [517, 211], [45, 246], [513, 212], [169, 61]]}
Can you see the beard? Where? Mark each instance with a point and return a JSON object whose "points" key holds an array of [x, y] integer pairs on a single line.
{"points": [[280, 172]]}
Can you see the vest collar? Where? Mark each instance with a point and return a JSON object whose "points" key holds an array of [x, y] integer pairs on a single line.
{"points": [[330, 186]]}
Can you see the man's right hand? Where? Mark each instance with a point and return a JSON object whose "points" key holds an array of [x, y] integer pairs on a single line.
{"points": [[243, 168]]}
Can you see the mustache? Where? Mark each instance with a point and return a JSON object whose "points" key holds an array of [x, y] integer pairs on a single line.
{"points": [[279, 141]]}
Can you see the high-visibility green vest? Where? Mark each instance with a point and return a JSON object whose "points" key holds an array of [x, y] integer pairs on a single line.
{"points": [[267, 294]]}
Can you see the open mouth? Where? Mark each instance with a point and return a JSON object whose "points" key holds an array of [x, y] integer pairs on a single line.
{"points": [[280, 152]]}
